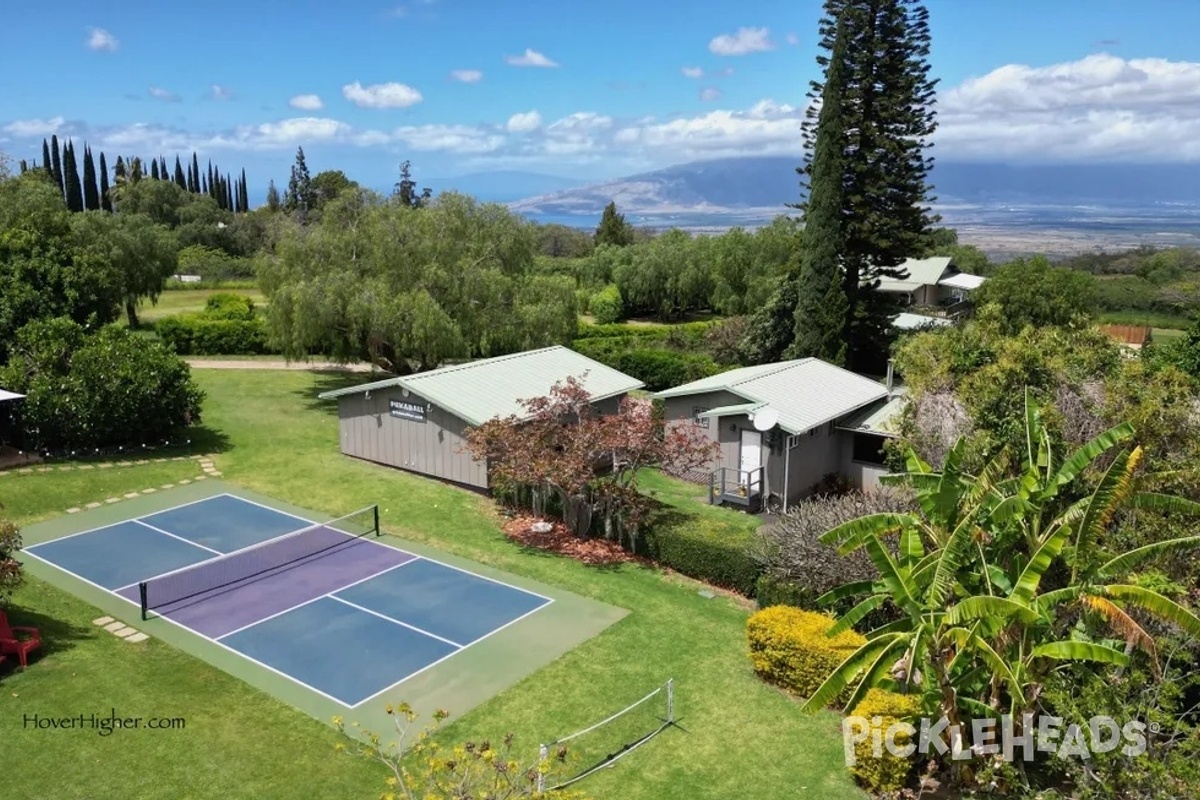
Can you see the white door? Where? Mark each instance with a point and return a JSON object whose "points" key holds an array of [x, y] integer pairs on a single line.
{"points": [[751, 458]]}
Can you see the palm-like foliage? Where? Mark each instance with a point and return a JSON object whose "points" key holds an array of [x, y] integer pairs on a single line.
{"points": [[1003, 576]]}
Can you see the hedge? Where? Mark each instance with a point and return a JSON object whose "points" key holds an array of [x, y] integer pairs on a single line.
{"points": [[789, 647], [658, 369], [708, 551], [607, 306], [887, 772], [688, 329], [193, 335], [772, 590]]}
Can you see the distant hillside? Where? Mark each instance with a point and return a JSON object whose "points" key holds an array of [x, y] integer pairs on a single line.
{"points": [[770, 182], [503, 186]]}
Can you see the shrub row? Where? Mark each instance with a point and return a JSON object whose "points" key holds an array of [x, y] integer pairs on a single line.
{"points": [[658, 369], [707, 551], [696, 329], [773, 590], [193, 335], [789, 647], [887, 773]]}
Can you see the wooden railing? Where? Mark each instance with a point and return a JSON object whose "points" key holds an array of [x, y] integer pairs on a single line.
{"points": [[741, 487]]}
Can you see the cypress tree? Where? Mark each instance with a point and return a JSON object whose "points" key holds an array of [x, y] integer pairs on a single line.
{"points": [[46, 164], [179, 179], [105, 198], [195, 173], [243, 195], [163, 172], [299, 196], [273, 202], [56, 164], [211, 191], [23, 166], [91, 194], [71, 184], [229, 194], [821, 319], [154, 169]]}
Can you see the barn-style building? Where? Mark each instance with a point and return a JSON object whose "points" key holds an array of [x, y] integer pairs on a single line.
{"points": [[419, 422]]}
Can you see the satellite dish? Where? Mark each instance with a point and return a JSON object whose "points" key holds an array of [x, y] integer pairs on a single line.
{"points": [[765, 418]]}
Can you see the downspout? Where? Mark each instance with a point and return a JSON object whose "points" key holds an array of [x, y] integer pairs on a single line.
{"points": [[787, 462]]}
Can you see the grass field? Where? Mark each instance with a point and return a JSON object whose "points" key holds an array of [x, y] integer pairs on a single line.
{"points": [[736, 737], [1151, 318], [187, 301]]}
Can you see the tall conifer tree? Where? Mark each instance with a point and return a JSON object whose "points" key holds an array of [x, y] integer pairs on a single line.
{"points": [[91, 193], [243, 194], [154, 169], [105, 197], [195, 187], [179, 178], [47, 164], [71, 185], [56, 164]]}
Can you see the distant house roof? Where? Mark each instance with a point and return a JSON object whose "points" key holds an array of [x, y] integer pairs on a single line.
{"points": [[962, 281], [907, 321], [806, 392], [494, 387], [1136, 335], [7, 395], [921, 272]]}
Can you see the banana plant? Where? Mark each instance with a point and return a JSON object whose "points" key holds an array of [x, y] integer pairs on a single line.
{"points": [[994, 570]]}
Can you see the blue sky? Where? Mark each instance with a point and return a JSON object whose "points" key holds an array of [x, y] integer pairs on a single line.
{"points": [[586, 90]]}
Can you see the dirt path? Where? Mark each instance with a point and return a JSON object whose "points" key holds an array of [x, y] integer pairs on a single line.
{"points": [[314, 366]]}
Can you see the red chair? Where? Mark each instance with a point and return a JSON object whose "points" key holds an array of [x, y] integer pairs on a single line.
{"points": [[18, 641]]}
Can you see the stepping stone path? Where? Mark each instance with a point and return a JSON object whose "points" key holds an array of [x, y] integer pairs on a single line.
{"points": [[205, 461], [118, 628]]}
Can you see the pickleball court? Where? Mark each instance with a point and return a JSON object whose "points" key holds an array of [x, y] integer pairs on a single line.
{"points": [[327, 604]]}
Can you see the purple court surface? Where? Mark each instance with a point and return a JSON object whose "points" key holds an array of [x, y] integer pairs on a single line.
{"points": [[278, 589]]}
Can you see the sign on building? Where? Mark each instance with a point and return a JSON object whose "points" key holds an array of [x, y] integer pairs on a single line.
{"points": [[403, 409]]}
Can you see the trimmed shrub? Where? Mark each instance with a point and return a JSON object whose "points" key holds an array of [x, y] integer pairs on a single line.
{"points": [[886, 772], [229, 305], [707, 551], [772, 590], [193, 335], [607, 306], [789, 648], [662, 369]]}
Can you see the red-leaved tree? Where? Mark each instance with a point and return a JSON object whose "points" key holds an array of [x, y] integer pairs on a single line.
{"points": [[562, 447]]}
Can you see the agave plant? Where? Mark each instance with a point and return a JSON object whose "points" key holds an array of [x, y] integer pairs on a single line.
{"points": [[1001, 576]]}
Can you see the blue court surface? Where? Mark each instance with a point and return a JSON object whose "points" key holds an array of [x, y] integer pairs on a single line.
{"points": [[324, 604]]}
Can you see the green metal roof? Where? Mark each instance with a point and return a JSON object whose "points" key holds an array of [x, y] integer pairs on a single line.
{"points": [[881, 418], [921, 272], [727, 411], [806, 392], [478, 391]]}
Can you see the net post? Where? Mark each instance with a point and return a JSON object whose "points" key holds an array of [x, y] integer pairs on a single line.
{"points": [[671, 701], [142, 597], [375, 508], [543, 754]]}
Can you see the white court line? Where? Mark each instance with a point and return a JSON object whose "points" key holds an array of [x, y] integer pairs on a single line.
{"points": [[115, 524], [449, 655], [397, 622], [222, 645], [311, 600], [175, 536]]}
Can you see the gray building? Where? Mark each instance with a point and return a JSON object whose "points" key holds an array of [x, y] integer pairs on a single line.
{"points": [[784, 427], [419, 422]]}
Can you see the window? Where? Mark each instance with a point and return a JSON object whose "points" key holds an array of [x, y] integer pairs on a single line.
{"points": [[696, 418], [868, 448]]}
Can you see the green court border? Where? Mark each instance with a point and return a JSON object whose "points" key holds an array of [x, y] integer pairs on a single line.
{"points": [[457, 685]]}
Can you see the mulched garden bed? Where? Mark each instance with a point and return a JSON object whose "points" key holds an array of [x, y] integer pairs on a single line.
{"points": [[596, 552]]}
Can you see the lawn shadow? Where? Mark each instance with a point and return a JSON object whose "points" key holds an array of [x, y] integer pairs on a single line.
{"points": [[57, 635], [328, 380]]}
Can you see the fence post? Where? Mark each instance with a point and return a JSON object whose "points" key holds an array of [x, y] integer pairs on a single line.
{"points": [[543, 754], [671, 701]]}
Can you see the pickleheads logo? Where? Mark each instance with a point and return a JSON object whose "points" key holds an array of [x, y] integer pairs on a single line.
{"points": [[992, 737], [102, 724]]}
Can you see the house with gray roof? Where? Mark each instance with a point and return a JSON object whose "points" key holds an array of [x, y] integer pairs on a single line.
{"points": [[420, 422], [783, 428], [934, 289]]}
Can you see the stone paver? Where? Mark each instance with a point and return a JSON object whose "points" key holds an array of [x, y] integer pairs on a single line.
{"points": [[131, 495], [87, 466], [105, 465], [114, 626], [138, 637], [151, 490], [167, 486], [199, 477], [74, 510], [123, 632], [93, 505], [102, 620], [113, 500], [184, 482]]}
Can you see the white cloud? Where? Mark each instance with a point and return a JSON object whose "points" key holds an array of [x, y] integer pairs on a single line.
{"points": [[217, 92], [100, 39], [381, 95], [531, 58], [746, 40], [767, 128], [1100, 107], [34, 128], [449, 138], [709, 93], [466, 75], [166, 95], [693, 72], [524, 122], [792, 39], [306, 102]]}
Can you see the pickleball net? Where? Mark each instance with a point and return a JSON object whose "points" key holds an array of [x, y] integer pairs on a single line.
{"points": [[258, 560]]}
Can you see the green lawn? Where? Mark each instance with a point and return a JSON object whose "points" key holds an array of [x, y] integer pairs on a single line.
{"points": [[737, 737], [1154, 319], [186, 301]]}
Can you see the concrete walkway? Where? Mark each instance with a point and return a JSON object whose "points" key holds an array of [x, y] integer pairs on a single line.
{"points": [[314, 366]]}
